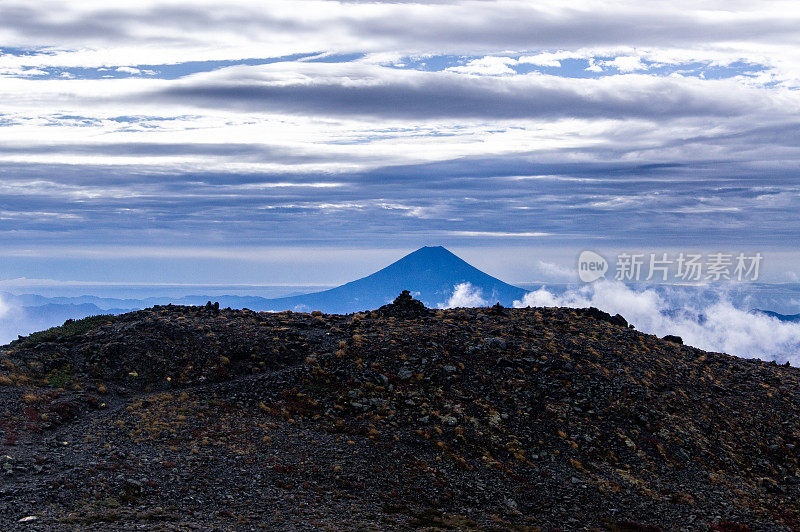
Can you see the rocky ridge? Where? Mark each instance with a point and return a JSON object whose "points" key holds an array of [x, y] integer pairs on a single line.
{"points": [[189, 418]]}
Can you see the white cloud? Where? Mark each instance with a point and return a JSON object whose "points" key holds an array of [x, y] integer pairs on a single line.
{"points": [[4, 308], [626, 64], [487, 66], [12, 321], [128, 70], [465, 295], [593, 66], [549, 59], [555, 272], [498, 234], [717, 326]]}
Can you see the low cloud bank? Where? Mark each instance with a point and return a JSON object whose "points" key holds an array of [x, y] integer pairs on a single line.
{"points": [[465, 295], [17, 319], [711, 325], [10, 322]]}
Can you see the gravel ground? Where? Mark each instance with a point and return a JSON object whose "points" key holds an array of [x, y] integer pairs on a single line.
{"points": [[190, 418]]}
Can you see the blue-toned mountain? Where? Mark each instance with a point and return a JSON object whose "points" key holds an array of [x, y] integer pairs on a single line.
{"points": [[430, 274]]}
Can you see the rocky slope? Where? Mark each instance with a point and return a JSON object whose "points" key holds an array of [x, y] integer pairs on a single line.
{"points": [[185, 418]]}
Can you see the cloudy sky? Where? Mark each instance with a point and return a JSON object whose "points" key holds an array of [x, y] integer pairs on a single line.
{"points": [[310, 141]]}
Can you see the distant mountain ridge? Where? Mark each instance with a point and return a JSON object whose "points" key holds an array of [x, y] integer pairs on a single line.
{"points": [[793, 318], [430, 273]]}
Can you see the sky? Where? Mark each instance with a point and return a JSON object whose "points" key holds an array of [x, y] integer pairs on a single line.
{"points": [[313, 142]]}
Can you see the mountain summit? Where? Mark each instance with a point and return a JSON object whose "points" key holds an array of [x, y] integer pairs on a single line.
{"points": [[430, 273], [402, 418]]}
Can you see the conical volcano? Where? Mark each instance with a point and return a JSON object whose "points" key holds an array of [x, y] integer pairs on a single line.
{"points": [[429, 273]]}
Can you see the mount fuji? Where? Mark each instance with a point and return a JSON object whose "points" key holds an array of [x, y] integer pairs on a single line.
{"points": [[429, 273]]}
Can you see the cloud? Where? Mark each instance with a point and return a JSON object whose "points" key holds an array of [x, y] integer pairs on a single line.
{"points": [[12, 322], [135, 71], [626, 64], [555, 273], [550, 59], [465, 295], [362, 90], [562, 204], [716, 325], [466, 123], [242, 26], [4, 308], [488, 66], [498, 234]]}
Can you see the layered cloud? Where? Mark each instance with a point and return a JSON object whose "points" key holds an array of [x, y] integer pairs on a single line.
{"points": [[94, 33], [467, 123], [371, 91]]}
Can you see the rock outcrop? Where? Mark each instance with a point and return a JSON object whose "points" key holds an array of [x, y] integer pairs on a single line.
{"points": [[404, 306]]}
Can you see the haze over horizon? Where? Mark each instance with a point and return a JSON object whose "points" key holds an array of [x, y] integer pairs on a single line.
{"points": [[186, 142]]}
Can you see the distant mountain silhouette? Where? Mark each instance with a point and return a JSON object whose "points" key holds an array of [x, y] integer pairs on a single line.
{"points": [[44, 316], [795, 318], [430, 274]]}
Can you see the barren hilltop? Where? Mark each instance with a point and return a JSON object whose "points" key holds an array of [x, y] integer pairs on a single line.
{"points": [[193, 418]]}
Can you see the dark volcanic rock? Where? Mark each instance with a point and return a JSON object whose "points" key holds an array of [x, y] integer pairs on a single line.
{"points": [[498, 310], [674, 339], [183, 418], [598, 314], [404, 306]]}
